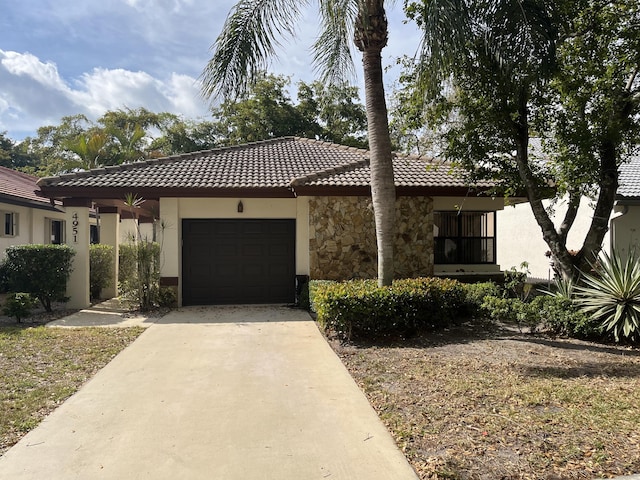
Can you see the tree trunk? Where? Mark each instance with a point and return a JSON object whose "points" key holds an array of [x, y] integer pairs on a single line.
{"points": [[608, 183], [563, 260], [370, 38]]}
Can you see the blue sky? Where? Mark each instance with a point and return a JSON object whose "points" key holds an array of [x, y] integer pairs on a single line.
{"points": [[64, 57]]}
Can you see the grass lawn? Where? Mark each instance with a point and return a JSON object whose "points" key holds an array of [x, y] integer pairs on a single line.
{"points": [[496, 404], [41, 367]]}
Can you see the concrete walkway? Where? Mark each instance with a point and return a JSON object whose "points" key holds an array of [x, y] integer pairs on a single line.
{"points": [[215, 393]]}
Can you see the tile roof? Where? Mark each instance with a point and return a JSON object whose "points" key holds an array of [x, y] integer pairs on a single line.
{"points": [[629, 180], [20, 188], [284, 163]]}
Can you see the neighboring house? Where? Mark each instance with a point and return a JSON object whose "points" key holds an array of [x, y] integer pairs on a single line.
{"points": [[241, 224], [520, 237], [26, 217]]}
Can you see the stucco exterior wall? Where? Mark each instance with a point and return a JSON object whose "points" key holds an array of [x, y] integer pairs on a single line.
{"points": [[128, 231], [625, 229], [520, 237], [32, 223], [342, 241]]}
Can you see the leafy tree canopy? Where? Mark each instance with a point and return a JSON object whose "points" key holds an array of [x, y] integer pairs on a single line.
{"points": [[530, 93]]}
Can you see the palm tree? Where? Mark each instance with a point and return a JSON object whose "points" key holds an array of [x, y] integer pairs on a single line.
{"points": [[248, 41], [90, 148]]}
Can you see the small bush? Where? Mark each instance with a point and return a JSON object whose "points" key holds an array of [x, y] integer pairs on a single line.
{"points": [[475, 293], [316, 286], [41, 270], [127, 260], [167, 297], [139, 273], [362, 309], [560, 316], [512, 311], [18, 305], [100, 268], [4, 277]]}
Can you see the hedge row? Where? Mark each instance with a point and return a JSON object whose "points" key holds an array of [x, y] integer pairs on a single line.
{"points": [[40, 270], [552, 314], [359, 308]]}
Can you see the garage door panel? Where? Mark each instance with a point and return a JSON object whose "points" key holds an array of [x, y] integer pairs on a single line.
{"points": [[255, 250], [279, 250], [253, 229], [238, 261], [224, 248]]}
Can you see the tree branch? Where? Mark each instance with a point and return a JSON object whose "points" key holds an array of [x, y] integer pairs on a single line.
{"points": [[570, 216]]}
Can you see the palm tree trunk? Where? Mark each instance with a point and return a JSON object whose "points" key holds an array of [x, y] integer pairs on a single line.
{"points": [[383, 191], [371, 38]]}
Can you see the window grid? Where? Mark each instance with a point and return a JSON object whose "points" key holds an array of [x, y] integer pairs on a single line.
{"points": [[464, 237]]}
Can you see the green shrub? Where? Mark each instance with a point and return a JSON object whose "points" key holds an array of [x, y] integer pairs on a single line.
{"points": [[127, 270], [316, 286], [512, 311], [360, 308], [561, 316], [41, 270], [499, 309], [4, 277], [18, 305], [475, 294], [167, 297], [139, 273], [100, 268]]}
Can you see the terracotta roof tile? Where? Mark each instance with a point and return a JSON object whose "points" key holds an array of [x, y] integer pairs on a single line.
{"points": [[18, 186], [280, 163]]}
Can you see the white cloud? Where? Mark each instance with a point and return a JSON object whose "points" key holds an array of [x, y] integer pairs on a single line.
{"points": [[34, 94], [29, 65]]}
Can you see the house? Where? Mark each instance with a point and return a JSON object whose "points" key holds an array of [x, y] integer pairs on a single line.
{"points": [[521, 237], [26, 217], [240, 224]]}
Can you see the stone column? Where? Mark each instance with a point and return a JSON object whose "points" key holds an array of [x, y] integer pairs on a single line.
{"points": [[110, 235], [77, 234]]}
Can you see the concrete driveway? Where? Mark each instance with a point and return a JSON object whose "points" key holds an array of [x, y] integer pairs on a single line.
{"points": [[215, 393]]}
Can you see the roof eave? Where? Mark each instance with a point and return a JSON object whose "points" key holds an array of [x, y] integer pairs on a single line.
{"points": [[25, 202], [155, 193], [627, 200]]}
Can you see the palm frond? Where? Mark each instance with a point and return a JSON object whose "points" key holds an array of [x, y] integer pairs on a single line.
{"points": [[520, 36], [332, 49], [445, 28], [249, 38], [517, 36]]}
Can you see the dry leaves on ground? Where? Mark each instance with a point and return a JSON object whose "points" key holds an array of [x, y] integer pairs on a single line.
{"points": [[485, 403]]}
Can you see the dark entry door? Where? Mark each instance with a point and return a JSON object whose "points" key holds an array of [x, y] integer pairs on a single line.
{"points": [[238, 261]]}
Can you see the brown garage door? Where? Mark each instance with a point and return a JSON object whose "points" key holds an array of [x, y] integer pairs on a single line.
{"points": [[238, 261]]}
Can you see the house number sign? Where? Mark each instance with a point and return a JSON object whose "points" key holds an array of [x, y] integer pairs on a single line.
{"points": [[74, 224]]}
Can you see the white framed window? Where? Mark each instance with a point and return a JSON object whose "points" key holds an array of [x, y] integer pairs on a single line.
{"points": [[55, 231], [9, 224]]}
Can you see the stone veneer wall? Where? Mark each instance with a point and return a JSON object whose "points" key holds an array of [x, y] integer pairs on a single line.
{"points": [[342, 240]]}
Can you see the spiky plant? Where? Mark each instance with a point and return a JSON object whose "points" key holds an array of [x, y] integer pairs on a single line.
{"points": [[562, 288], [612, 294]]}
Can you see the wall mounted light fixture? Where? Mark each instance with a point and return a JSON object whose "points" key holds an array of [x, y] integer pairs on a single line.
{"points": [[240, 207]]}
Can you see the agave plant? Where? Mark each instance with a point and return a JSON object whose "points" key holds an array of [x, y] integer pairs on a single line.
{"points": [[563, 288], [612, 293]]}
